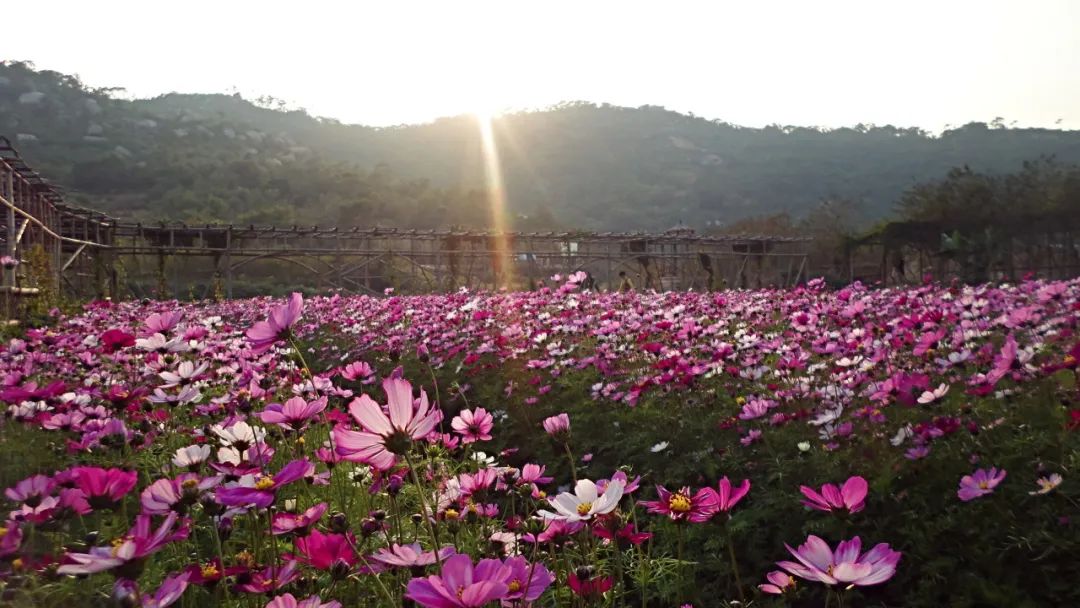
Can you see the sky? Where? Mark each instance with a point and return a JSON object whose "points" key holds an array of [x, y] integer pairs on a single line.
{"points": [[809, 63]]}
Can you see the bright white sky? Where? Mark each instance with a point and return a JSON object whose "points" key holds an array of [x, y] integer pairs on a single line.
{"points": [[750, 62]]}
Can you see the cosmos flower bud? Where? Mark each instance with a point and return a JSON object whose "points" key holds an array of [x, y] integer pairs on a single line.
{"points": [[369, 526], [339, 523], [393, 487]]}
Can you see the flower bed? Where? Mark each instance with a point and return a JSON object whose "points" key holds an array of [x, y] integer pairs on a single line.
{"points": [[900, 447]]}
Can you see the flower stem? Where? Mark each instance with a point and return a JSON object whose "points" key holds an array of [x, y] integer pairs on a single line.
{"points": [[570, 457], [734, 564], [424, 508]]}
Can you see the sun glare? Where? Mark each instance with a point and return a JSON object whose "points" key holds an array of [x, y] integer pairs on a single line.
{"points": [[496, 194]]}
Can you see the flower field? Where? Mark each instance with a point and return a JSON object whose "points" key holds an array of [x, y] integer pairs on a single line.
{"points": [[559, 447]]}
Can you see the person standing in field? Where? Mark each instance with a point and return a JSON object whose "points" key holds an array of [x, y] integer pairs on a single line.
{"points": [[625, 284]]}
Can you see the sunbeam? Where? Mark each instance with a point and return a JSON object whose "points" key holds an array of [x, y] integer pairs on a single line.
{"points": [[502, 261]]}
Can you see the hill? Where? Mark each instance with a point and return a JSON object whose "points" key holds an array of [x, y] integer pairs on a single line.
{"points": [[224, 158]]}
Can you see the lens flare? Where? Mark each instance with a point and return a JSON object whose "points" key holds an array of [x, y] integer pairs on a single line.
{"points": [[502, 258]]}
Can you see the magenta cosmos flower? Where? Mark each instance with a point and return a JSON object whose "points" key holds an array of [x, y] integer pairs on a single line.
{"points": [[327, 551], [265, 334], [845, 566], [473, 425], [980, 483], [295, 414], [730, 495], [461, 585], [525, 581], [288, 600], [130, 549], [103, 488], [382, 437], [297, 523], [681, 506], [261, 490], [850, 498]]}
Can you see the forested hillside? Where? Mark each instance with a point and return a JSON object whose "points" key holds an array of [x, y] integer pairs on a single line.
{"points": [[223, 158]]}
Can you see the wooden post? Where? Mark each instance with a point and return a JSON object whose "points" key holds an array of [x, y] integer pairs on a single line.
{"points": [[228, 263]]}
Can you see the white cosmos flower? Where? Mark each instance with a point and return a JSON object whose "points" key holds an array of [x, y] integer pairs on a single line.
{"points": [[191, 455], [240, 432], [934, 395], [482, 458], [184, 374], [660, 447], [585, 502]]}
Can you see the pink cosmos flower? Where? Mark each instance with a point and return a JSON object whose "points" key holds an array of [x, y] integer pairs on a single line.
{"points": [[278, 325], [104, 488], [31, 490], [729, 495], [162, 323], [175, 495], [271, 578], [261, 491], [473, 425], [358, 370], [845, 566], [289, 601], [461, 585], [779, 583], [629, 485], [555, 530], [295, 414], [681, 506], [751, 436], [327, 551], [557, 425], [126, 593], [128, 550], [409, 556], [534, 474], [850, 498], [299, 524], [383, 437], [981, 483]]}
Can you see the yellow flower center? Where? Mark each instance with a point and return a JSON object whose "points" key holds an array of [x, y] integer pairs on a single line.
{"points": [[679, 503], [740, 400], [264, 483], [451, 514], [209, 571], [541, 494], [17, 563], [245, 558], [584, 508], [983, 485], [1069, 359], [514, 586], [190, 484], [117, 543], [3, 532]]}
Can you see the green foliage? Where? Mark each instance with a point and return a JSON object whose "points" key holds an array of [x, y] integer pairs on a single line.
{"points": [[204, 158]]}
